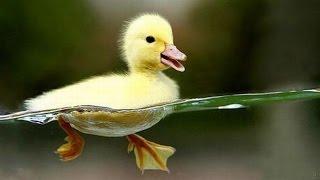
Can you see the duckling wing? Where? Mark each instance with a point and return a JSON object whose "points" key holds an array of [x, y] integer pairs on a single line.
{"points": [[97, 91], [114, 91]]}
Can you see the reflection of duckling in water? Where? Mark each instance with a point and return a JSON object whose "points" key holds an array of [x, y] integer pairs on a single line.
{"points": [[147, 46]]}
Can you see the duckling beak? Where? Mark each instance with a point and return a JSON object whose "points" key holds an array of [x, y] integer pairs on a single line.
{"points": [[172, 57]]}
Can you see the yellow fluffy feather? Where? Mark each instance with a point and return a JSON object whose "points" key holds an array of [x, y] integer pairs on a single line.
{"points": [[143, 85]]}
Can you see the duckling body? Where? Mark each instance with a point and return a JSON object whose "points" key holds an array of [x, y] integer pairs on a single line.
{"points": [[127, 91], [147, 48]]}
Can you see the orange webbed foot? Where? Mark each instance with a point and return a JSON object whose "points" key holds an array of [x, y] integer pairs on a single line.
{"points": [[149, 155], [75, 143]]}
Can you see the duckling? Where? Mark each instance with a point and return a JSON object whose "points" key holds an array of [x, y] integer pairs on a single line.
{"points": [[148, 49]]}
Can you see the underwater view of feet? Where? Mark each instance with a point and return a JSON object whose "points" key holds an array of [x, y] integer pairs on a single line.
{"points": [[243, 105]]}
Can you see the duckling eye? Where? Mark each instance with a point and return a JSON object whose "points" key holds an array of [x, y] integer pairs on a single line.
{"points": [[150, 39]]}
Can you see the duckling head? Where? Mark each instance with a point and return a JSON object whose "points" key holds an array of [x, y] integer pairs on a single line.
{"points": [[147, 45]]}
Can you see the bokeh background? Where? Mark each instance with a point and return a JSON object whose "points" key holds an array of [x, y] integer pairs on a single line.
{"points": [[233, 46]]}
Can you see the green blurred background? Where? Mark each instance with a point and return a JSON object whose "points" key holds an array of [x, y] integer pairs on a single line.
{"points": [[233, 46]]}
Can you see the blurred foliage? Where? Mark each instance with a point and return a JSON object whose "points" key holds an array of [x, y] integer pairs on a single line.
{"points": [[231, 29], [39, 40], [232, 46]]}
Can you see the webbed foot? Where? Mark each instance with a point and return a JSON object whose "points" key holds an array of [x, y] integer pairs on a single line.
{"points": [[75, 143], [149, 155]]}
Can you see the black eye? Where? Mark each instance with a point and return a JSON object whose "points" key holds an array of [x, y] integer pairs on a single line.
{"points": [[150, 39]]}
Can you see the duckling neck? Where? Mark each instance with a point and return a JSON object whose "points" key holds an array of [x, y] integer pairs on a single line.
{"points": [[144, 71], [150, 74]]}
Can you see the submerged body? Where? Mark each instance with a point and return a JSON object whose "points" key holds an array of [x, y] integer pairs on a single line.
{"points": [[130, 91]]}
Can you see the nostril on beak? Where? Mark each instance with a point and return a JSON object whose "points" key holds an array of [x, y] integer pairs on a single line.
{"points": [[184, 57], [173, 52]]}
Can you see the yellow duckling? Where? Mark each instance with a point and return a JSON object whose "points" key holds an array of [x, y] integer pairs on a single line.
{"points": [[148, 49]]}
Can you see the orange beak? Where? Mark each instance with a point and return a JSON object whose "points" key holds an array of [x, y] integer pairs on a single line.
{"points": [[172, 57]]}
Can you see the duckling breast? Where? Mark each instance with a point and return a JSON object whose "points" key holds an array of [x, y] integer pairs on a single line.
{"points": [[145, 91]]}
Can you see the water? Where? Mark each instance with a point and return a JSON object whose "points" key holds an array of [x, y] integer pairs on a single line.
{"points": [[104, 121]]}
